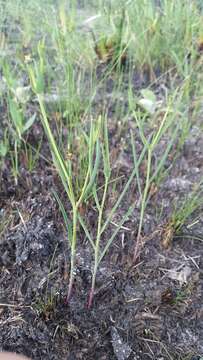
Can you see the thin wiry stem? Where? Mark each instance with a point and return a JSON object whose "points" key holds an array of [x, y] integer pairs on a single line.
{"points": [[73, 250], [96, 251], [143, 206]]}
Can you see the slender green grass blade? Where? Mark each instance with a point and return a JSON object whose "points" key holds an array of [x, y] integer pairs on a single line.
{"points": [[65, 217]]}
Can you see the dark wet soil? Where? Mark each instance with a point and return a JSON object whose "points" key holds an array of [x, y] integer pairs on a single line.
{"points": [[151, 310]]}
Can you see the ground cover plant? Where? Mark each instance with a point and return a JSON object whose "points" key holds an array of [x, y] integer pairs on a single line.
{"points": [[101, 150]]}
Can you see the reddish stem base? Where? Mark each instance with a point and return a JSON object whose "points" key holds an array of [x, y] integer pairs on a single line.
{"points": [[90, 299], [70, 288], [137, 249]]}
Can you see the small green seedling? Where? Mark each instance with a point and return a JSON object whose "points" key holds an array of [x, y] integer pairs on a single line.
{"points": [[20, 126], [100, 250], [111, 47], [168, 123], [64, 167], [19, 121], [17, 98], [148, 102], [4, 145], [174, 226]]}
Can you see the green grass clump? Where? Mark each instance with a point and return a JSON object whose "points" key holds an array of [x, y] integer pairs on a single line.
{"points": [[64, 168], [181, 214]]}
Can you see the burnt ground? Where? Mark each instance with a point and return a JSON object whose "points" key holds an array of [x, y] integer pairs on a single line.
{"points": [[152, 310]]}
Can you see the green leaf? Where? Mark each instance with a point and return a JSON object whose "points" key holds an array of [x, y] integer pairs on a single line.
{"points": [[94, 171], [22, 94], [147, 105], [16, 116], [29, 123], [148, 102], [148, 94], [87, 233], [65, 217], [3, 149]]}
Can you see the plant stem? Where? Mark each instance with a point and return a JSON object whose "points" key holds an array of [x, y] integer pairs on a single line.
{"points": [[96, 250], [91, 294], [73, 250], [143, 206], [16, 173]]}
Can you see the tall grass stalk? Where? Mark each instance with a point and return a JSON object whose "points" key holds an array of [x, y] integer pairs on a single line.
{"points": [[64, 167], [169, 126], [99, 248]]}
